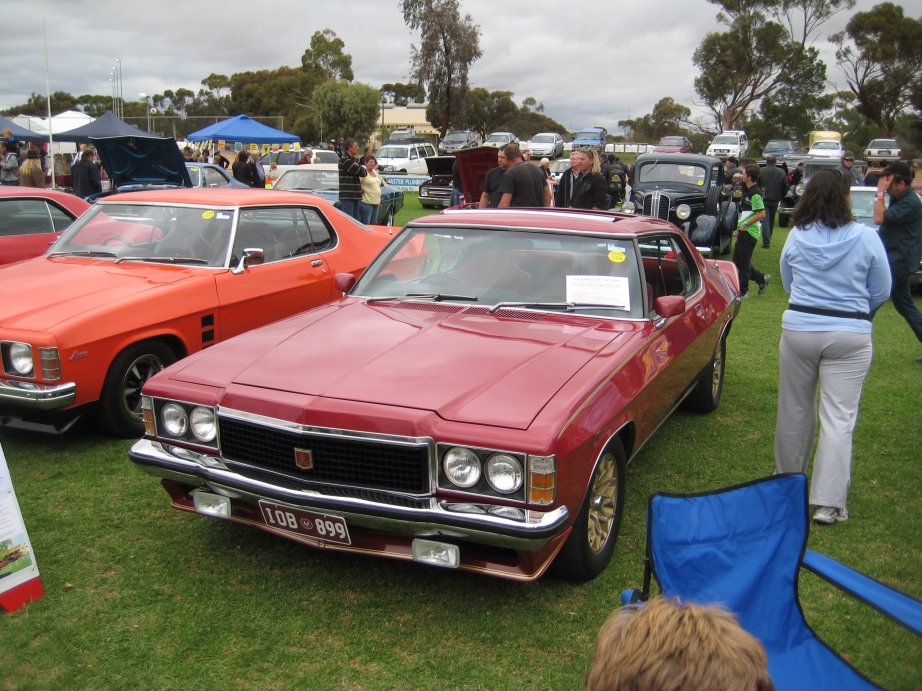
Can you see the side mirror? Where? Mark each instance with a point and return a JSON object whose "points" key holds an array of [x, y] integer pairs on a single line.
{"points": [[252, 256], [344, 282], [669, 305]]}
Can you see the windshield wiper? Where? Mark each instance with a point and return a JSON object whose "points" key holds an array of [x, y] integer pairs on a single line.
{"points": [[83, 253], [163, 260], [435, 297], [563, 306]]}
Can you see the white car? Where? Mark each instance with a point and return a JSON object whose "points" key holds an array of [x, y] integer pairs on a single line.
{"points": [[826, 148], [405, 158], [500, 139], [730, 143], [548, 144], [883, 150]]}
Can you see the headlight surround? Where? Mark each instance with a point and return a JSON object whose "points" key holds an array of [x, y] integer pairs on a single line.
{"points": [[683, 211], [628, 207], [204, 424], [799, 190], [462, 467], [504, 473], [20, 357], [174, 419]]}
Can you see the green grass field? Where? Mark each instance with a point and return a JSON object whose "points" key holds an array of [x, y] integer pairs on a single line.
{"points": [[139, 595]]}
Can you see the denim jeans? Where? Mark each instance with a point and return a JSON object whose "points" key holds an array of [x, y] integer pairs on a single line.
{"points": [[368, 213], [350, 207]]}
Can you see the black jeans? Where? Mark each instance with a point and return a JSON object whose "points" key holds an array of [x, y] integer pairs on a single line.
{"points": [[768, 224], [742, 257], [901, 295]]}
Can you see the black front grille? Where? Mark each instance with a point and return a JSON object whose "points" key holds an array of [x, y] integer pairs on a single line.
{"points": [[661, 208], [374, 465]]}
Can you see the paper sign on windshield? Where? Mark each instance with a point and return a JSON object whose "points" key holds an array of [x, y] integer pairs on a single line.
{"points": [[599, 290]]}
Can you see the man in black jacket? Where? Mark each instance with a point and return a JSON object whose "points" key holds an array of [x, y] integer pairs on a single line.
{"points": [[774, 187], [85, 175], [350, 179]]}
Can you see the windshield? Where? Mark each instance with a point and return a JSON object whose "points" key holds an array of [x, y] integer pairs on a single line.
{"points": [[826, 145], [560, 166], [672, 141], [393, 152], [588, 134], [452, 137], [725, 139], [682, 173], [542, 139], [779, 144], [499, 138], [196, 236], [300, 179], [863, 205], [489, 266]]}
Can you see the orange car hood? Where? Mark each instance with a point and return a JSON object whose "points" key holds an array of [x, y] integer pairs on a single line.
{"points": [[409, 356], [40, 294]]}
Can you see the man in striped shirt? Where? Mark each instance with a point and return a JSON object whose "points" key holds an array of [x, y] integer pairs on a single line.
{"points": [[350, 175]]}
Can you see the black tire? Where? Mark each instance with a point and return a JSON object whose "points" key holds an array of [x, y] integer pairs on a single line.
{"points": [[595, 529], [712, 203], [119, 408], [705, 397]]}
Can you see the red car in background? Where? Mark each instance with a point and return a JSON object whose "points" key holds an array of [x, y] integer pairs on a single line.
{"points": [[674, 145], [31, 218], [472, 401]]}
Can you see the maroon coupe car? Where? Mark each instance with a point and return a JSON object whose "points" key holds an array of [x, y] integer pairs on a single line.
{"points": [[32, 218], [471, 402]]}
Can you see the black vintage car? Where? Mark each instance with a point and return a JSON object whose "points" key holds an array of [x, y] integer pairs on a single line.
{"points": [[435, 193], [811, 165], [688, 190]]}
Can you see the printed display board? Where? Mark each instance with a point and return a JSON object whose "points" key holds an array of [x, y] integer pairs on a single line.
{"points": [[19, 579]]}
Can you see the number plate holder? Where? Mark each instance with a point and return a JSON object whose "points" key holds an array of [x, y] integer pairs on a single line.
{"points": [[320, 526]]}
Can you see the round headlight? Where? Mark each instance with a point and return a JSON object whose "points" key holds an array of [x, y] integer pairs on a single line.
{"points": [[461, 466], [21, 358], [799, 190], [504, 473], [683, 211], [202, 423], [627, 207], [174, 418]]}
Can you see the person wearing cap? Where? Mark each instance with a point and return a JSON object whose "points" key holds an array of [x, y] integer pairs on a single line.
{"points": [[901, 230], [847, 168]]}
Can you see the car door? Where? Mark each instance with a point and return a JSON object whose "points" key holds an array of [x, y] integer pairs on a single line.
{"points": [[294, 276], [28, 227]]}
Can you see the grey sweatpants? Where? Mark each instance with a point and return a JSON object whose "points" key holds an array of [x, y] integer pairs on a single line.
{"points": [[836, 362]]}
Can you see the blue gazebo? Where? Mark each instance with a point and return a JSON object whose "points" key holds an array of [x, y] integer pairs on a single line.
{"points": [[241, 128]]}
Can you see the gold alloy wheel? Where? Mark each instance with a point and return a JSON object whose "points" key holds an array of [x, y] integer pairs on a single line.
{"points": [[717, 374], [603, 502]]}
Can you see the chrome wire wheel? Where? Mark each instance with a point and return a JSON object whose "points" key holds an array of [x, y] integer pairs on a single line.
{"points": [[603, 502]]}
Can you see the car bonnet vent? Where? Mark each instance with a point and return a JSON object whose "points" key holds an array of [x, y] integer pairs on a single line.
{"points": [[528, 315], [442, 307]]}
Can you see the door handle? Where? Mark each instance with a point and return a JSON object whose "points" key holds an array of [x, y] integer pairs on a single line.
{"points": [[317, 262]]}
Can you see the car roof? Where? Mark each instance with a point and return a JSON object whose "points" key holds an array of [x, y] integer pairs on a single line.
{"points": [[557, 220], [694, 159], [24, 192], [211, 196]]}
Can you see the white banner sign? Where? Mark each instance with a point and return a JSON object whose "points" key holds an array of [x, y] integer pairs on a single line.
{"points": [[19, 579]]}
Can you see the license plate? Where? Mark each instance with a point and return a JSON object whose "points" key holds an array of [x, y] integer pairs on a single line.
{"points": [[317, 525], [883, 152]]}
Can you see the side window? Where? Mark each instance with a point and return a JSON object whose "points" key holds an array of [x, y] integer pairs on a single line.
{"points": [[59, 219], [277, 231], [24, 217], [414, 154], [214, 179], [668, 267], [319, 232]]}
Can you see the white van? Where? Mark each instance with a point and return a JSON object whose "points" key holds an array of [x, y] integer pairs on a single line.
{"points": [[405, 157], [730, 143]]}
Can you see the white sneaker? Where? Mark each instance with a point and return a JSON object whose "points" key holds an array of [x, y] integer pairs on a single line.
{"points": [[830, 515]]}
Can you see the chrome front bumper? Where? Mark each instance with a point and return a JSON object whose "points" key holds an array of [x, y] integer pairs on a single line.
{"points": [[461, 520], [25, 394]]}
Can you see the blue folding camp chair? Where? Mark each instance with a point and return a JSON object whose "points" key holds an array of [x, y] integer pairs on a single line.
{"points": [[742, 547]]}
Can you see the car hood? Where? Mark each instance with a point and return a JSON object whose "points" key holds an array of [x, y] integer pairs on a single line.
{"points": [[42, 293], [464, 364], [473, 165], [142, 161], [439, 165]]}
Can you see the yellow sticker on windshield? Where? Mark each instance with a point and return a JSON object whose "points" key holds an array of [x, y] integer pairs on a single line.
{"points": [[616, 256], [700, 183], [207, 214]]}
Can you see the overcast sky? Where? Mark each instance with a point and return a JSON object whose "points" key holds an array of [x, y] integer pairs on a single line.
{"points": [[590, 62]]}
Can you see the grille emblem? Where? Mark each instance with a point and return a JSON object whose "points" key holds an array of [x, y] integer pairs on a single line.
{"points": [[304, 459]]}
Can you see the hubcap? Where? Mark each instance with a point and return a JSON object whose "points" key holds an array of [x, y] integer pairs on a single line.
{"points": [[718, 369], [139, 372], [603, 502]]}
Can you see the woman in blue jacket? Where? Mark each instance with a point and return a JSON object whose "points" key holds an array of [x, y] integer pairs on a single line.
{"points": [[836, 274]]}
